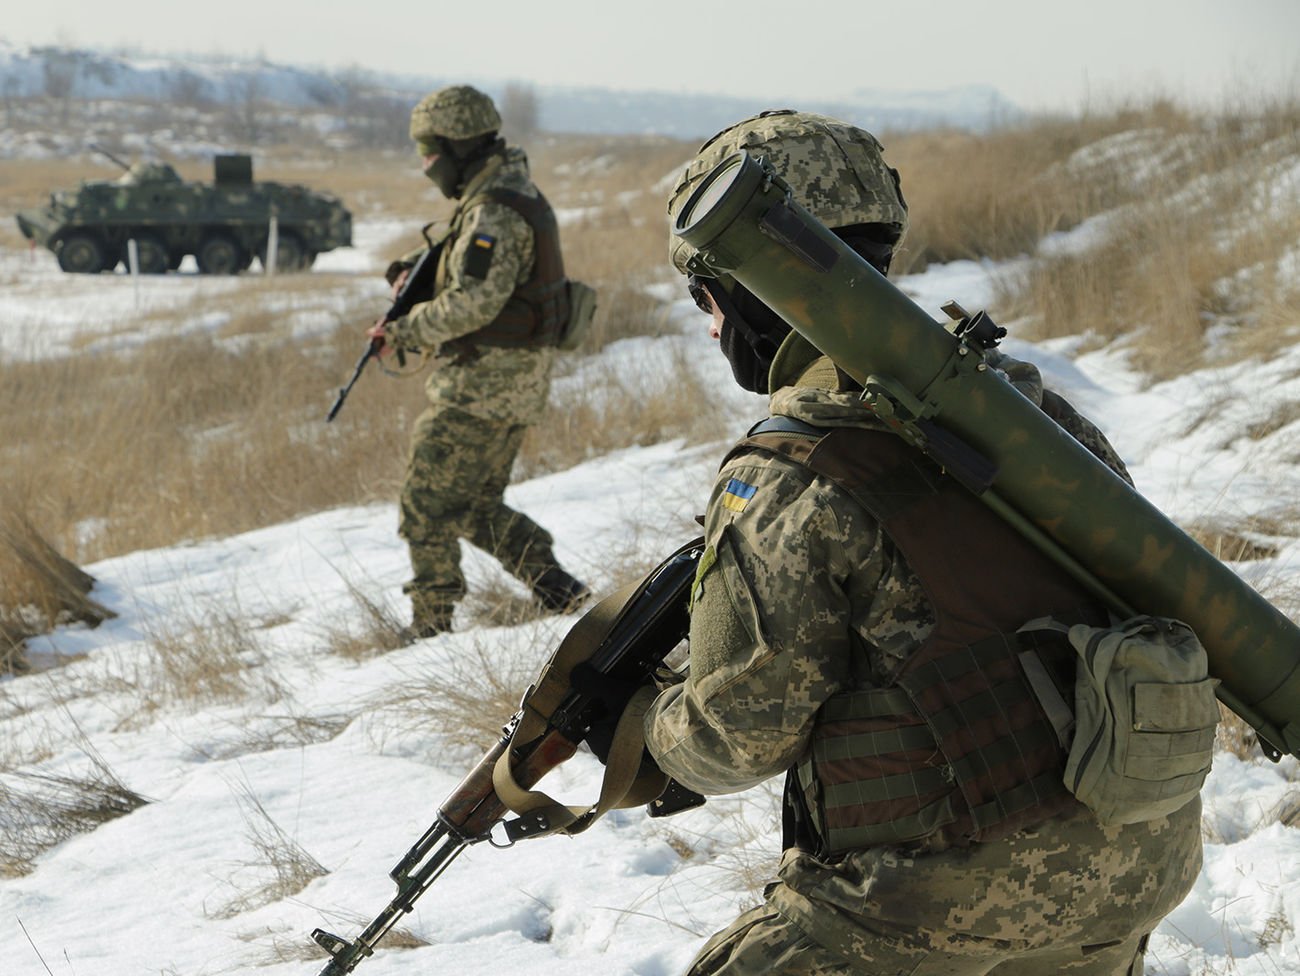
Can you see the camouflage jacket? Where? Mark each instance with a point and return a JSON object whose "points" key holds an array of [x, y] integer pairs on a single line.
{"points": [[794, 573], [506, 385]]}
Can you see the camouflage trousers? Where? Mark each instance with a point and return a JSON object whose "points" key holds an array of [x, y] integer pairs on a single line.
{"points": [[1067, 896], [763, 942], [454, 489]]}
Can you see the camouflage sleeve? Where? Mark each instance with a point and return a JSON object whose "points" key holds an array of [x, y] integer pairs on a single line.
{"points": [[491, 257], [1084, 431], [769, 638]]}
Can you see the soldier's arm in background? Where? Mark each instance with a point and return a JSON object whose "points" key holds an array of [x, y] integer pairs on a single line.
{"points": [[769, 638], [490, 259], [1026, 378]]}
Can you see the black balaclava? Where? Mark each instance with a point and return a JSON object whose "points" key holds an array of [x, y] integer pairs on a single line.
{"points": [[458, 160], [751, 332], [750, 335]]}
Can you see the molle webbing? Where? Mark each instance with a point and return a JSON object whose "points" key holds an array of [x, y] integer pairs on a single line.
{"points": [[537, 311], [960, 743]]}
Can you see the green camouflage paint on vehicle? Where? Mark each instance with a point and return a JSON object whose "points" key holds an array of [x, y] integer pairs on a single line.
{"points": [[224, 224]]}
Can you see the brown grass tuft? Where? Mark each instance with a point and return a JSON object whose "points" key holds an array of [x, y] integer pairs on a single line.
{"points": [[208, 657], [39, 589], [1235, 736], [373, 627], [465, 696], [40, 810], [282, 866]]}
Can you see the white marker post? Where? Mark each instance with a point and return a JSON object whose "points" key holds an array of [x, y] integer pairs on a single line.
{"points": [[272, 244], [133, 266]]}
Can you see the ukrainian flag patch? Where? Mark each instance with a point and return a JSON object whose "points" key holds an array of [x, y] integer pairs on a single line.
{"points": [[478, 257], [737, 495]]}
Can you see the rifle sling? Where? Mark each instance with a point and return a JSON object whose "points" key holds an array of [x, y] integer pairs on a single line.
{"points": [[623, 784]]}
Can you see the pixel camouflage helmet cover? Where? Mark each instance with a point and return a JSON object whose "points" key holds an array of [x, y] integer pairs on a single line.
{"points": [[455, 112], [836, 170]]}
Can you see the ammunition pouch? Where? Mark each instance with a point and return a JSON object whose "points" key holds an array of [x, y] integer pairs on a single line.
{"points": [[1144, 716], [582, 310]]}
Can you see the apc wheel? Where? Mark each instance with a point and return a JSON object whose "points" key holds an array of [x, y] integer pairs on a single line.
{"points": [[82, 254], [219, 255], [152, 255], [290, 255]]}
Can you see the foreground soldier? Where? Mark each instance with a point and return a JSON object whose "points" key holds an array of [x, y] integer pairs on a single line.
{"points": [[494, 317], [825, 602]]}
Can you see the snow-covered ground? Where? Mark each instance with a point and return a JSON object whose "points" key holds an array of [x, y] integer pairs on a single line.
{"points": [[317, 740]]}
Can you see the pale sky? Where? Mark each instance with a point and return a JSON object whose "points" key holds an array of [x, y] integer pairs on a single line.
{"points": [[1041, 54]]}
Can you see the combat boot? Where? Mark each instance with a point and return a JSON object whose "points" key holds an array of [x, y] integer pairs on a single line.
{"points": [[559, 592], [429, 618], [424, 629]]}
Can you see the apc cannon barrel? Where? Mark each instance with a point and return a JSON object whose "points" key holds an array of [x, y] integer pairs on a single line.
{"points": [[744, 223]]}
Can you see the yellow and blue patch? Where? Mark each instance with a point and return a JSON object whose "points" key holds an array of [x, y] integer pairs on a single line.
{"points": [[737, 495], [478, 257]]}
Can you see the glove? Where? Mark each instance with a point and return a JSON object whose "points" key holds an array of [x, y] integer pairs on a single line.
{"points": [[378, 332], [395, 269], [611, 696]]}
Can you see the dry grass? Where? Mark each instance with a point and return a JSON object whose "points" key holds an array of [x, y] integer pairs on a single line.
{"points": [[601, 410], [228, 424], [1237, 543], [1187, 262], [281, 949], [371, 627], [39, 811], [1235, 736], [39, 589], [500, 603], [281, 865], [464, 697], [205, 657], [268, 733]]}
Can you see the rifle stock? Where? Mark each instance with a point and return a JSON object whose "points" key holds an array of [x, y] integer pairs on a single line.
{"points": [[647, 628]]}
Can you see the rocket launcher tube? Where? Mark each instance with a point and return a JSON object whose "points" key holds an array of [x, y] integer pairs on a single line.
{"points": [[742, 222]]}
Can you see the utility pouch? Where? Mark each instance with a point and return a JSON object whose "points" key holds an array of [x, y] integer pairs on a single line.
{"points": [[582, 309], [1145, 717]]}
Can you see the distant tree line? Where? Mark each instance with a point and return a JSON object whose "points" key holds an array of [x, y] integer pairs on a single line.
{"points": [[239, 105]]}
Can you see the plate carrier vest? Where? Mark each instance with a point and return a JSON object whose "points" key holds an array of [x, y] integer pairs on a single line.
{"points": [[959, 743], [536, 313]]}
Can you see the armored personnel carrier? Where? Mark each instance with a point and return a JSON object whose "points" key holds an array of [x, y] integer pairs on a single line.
{"points": [[224, 224]]}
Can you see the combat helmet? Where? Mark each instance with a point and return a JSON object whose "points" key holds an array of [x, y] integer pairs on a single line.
{"points": [[835, 169], [837, 172], [456, 112]]}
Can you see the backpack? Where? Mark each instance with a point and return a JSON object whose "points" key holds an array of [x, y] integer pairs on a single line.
{"points": [[1144, 716]]}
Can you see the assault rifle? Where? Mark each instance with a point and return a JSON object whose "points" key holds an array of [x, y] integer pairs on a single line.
{"points": [[623, 641], [417, 288]]}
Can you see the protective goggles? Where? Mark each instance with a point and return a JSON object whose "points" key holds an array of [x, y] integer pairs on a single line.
{"points": [[432, 146]]}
